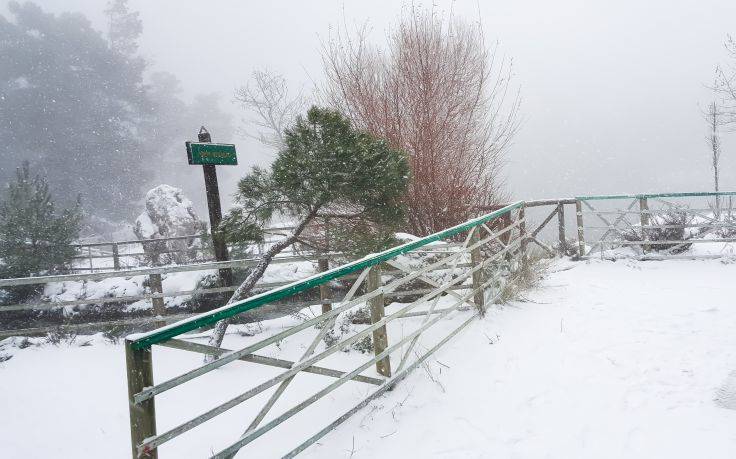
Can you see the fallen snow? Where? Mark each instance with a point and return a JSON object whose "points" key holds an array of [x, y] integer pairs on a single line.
{"points": [[608, 359], [171, 282], [122, 287]]}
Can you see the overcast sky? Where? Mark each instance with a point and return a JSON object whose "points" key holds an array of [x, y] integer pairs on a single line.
{"points": [[613, 91]]}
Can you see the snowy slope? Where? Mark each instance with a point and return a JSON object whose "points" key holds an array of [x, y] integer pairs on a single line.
{"points": [[609, 360], [625, 359]]}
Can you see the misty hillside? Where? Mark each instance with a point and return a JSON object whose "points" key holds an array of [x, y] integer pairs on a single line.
{"points": [[367, 229]]}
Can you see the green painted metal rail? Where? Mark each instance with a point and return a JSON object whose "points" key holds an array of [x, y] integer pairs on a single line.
{"points": [[145, 340], [655, 195]]}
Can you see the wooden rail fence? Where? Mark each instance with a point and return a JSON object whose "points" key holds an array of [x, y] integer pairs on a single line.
{"points": [[653, 226], [495, 249], [126, 254], [156, 294], [471, 268]]}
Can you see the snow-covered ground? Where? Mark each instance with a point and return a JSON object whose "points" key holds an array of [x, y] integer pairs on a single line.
{"points": [[171, 283], [624, 359], [607, 359]]}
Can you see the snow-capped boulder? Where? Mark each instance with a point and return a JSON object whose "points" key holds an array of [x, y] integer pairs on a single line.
{"points": [[168, 214]]}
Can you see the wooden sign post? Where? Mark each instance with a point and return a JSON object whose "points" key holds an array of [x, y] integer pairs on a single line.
{"points": [[209, 155]]}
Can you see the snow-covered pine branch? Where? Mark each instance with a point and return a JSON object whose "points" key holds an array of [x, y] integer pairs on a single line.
{"points": [[325, 164]]}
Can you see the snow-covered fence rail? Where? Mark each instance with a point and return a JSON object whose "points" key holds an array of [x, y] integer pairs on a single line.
{"points": [[656, 226], [126, 254], [118, 255], [156, 294], [460, 281], [558, 211]]}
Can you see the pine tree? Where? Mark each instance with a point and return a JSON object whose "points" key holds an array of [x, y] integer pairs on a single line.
{"points": [[73, 101], [34, 239], [125, 27], [326, 167]]}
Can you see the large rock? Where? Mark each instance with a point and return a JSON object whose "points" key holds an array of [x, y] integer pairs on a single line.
{"points": [[168, 214]]}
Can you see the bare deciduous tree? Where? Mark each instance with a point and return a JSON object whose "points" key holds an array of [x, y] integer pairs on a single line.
{"points": [[725, 87], [271, 106], [726, 83], [713, 117], [439, 93]]}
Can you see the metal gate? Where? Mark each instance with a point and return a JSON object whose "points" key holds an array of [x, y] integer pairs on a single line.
{"points": [[466, 266]]}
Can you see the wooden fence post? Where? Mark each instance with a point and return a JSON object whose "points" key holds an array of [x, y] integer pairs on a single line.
{"points": [[476, 260], [561, 227], [115, 257], [644, 220], [324, 288], [522, 233], [139, 364], [506, 221], [380, 338], [323, 264], [581, 236], [154, 281]]}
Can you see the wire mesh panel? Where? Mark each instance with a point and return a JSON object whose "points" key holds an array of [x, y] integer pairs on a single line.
{"points": [[385, 315], [692, 225]]}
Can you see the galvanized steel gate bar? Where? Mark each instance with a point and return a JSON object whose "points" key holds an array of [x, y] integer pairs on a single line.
{"points": [[507, 236]]}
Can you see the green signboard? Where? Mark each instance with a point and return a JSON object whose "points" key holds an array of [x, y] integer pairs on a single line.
{"points": [[218, 154]]}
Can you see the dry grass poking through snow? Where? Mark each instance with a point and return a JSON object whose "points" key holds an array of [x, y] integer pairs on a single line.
{"points": [[528, 276]]}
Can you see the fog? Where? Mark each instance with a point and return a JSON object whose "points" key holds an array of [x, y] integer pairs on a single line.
{"points": [[612, 92]]}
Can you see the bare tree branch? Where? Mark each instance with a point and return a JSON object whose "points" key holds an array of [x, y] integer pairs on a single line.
{"points": [[726, 84], [438, 93], [272, 108]]}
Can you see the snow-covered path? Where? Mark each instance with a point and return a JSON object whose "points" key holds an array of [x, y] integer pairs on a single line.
{"points": [[609, 360], [625, 359]]}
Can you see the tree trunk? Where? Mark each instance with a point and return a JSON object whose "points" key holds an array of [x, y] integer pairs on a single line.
{"points": [[218, 333]]}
